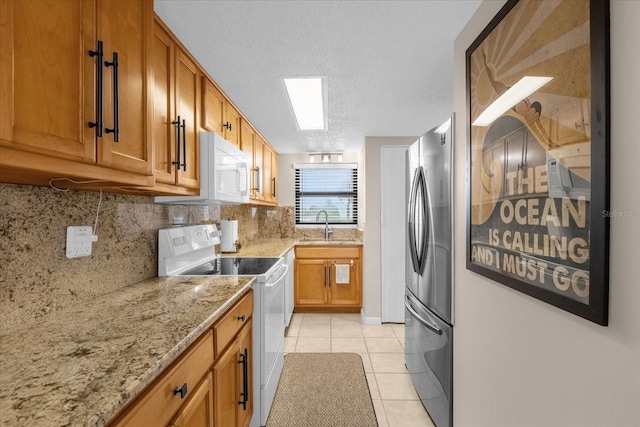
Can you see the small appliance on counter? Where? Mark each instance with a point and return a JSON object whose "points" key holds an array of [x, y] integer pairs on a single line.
{"points": [[229, 239]]}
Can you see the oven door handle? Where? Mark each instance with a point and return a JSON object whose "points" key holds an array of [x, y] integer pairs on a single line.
{"points": [[276, 278]]}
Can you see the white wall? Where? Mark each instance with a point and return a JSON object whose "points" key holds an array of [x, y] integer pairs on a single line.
{"points": [[519, 361]]}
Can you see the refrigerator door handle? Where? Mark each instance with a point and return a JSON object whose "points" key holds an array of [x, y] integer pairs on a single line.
{"points": [[434, 328], [410, 223], [421, 186]]}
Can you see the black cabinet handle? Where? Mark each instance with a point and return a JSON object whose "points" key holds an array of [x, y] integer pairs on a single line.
{"points": [[241, 318], [116, 121], [244, 395], [184, 145], [98, 123], [227, 125], [182, 391], [178, 135], [273, 187]]}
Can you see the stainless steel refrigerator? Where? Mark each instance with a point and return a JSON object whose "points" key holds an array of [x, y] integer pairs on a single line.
{"points": [[428, 291]]}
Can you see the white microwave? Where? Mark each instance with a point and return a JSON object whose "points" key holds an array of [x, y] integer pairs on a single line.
{"points": [[224, 174]]}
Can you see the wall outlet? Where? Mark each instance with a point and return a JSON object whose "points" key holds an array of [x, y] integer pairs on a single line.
{"points": [[79, 240]]}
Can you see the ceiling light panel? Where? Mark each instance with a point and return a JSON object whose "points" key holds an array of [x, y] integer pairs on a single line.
{"points": [[308, 97]]}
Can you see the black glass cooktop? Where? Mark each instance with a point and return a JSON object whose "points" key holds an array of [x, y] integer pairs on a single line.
{"points": [[238, 266]]}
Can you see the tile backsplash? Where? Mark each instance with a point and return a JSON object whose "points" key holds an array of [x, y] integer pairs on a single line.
{"points": [[36, 277]]}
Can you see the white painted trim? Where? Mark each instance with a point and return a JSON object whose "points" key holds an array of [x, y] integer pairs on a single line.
{"points": [[369, 320]]}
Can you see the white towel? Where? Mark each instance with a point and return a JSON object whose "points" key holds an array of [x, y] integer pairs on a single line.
{"points": [[342, 274]]}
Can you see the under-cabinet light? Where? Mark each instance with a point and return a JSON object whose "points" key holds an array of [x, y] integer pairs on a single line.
{"points": [[516, 93], [308, 97]]}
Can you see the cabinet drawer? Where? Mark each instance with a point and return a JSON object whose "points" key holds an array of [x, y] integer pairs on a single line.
{"points": [[227, 327], [158, 404], [328, 252]]}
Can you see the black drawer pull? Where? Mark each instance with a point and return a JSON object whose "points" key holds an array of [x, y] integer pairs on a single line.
{"points": [[181, 390], [241, 318]]}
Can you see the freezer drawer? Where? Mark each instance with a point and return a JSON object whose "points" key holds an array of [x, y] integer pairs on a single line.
{"points": [[428, 356]]}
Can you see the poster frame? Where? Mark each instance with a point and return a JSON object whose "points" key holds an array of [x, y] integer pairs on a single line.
{"points": [[596, 310]]}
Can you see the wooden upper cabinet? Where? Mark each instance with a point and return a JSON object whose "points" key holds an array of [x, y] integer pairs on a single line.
{"points": [[176, 105], [258, 166], [187, 100], [213, 102], [219, 115], [125, 28], [270, 177], [51, 91], [231, 124], [247, 144]]}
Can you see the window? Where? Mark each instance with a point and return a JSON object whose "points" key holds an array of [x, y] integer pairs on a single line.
{"points": [[332, 188]]}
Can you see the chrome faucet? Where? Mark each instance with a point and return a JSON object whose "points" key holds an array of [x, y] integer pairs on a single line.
{"points": [[327, 232]]}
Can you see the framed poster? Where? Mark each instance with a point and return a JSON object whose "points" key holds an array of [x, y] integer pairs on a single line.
{"points": [[538, 153]]}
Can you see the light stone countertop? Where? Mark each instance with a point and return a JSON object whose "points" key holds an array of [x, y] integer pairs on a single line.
{"points": [[83, 364], [278, 247]]}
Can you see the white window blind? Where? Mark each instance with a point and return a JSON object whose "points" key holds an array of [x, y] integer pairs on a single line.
{"points": [[332, 188]]}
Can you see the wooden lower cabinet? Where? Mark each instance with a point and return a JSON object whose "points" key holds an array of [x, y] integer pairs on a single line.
{"points": [[198, 411], [233, 382], [163, 402], [216, 390], [316, 287]]}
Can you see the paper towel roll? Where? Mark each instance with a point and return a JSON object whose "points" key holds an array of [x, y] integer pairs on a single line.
{"points": [[229, 239]]}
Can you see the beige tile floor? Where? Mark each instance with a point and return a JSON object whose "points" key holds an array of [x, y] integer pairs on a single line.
{"points": [[381, 347]]}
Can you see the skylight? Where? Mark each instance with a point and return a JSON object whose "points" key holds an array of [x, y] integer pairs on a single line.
{"points": [[308, 97]]}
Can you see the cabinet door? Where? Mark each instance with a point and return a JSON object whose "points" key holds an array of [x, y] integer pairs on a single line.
{"points": [[270, 162], [266, 173], [258, 165], [247, 144], [310, 282], [232, 122], [47, 77], [213, 103], [274, 177], [164, 132], [187, 99], [126, 27], [345, 293], [198, 411], [245, 376], [225, 379]]}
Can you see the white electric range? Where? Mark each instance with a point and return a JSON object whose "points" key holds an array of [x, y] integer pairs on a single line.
{"points": [[194, 251]]}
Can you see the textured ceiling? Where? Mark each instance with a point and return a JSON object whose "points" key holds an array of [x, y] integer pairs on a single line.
{"points": [[389, 64]]}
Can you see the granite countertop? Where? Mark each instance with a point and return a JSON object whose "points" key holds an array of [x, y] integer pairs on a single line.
{"points": [[278, 247], [83, 364]]}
